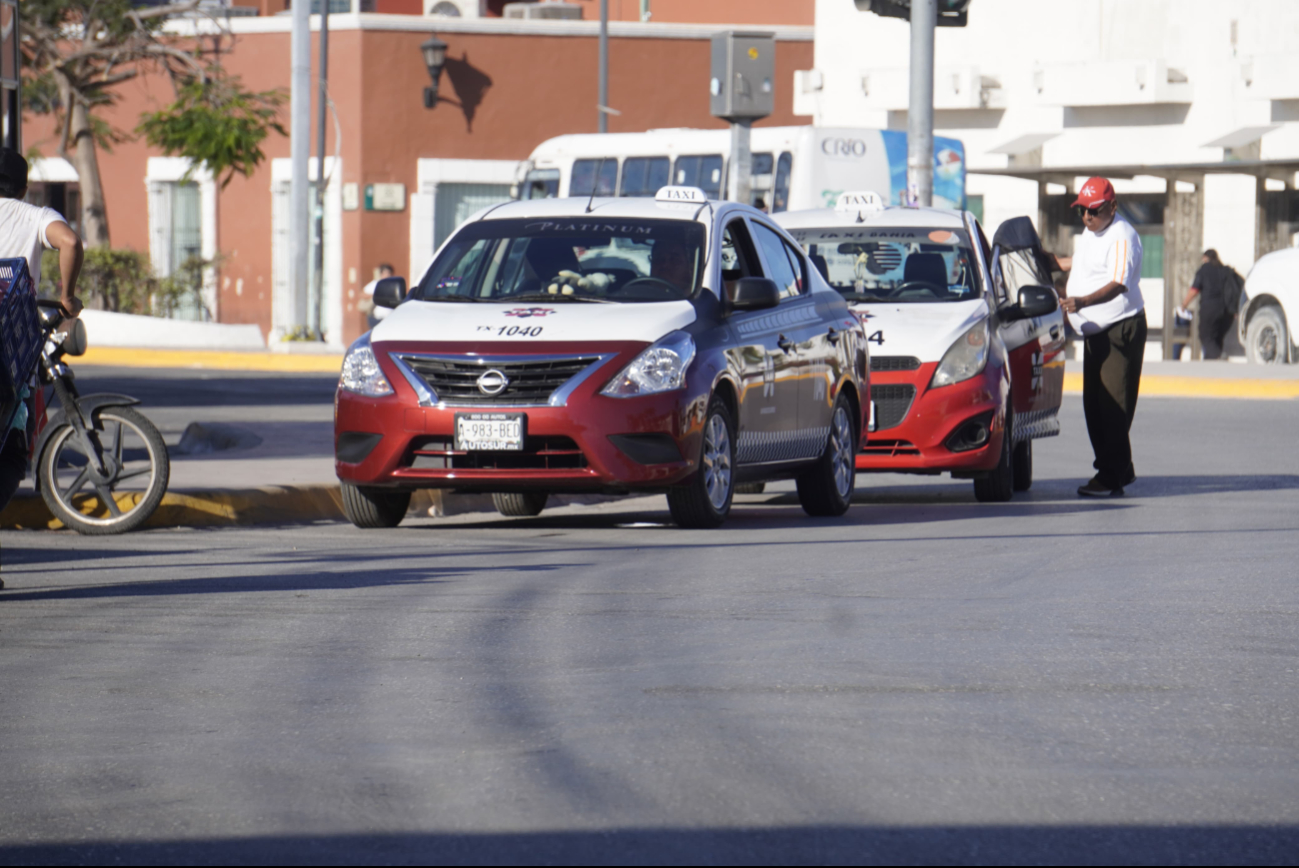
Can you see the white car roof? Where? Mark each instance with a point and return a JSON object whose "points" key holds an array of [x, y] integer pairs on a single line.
{"points": [[938, 218], [602, 207]]}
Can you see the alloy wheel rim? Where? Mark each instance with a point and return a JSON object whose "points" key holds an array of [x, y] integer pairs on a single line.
{"points": [[841, 435], [717, 462], [1266, 344]]}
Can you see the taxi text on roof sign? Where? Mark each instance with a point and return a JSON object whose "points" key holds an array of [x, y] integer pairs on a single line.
{"points": [[859, 200], [681, 194]]}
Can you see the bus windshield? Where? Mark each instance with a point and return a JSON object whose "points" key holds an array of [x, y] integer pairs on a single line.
{"points": [[568, 259], [894, 264]]}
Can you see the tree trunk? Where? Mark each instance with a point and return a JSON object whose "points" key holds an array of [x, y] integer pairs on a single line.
{"points": [[78, 148]]}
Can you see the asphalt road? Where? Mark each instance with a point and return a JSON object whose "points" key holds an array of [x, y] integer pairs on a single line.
{"points": [[925, 680]]}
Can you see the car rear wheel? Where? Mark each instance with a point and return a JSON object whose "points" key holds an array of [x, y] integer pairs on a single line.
{"points": [[1267, 341], [999, 485], [1023, 466], [374, 507], [520, 505], [826, 489], [705, 500]]}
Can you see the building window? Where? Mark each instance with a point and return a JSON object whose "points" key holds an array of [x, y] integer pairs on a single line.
{"points": [[455, 203], [176, 243]]}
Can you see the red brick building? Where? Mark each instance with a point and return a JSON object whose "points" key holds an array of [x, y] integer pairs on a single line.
{"points": [[507, 85]]}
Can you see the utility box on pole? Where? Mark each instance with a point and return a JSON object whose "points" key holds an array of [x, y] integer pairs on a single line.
{"points": [[741, 90]]}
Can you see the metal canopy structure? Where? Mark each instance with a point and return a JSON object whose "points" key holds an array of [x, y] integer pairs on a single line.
{"points": [[1279, 170]]}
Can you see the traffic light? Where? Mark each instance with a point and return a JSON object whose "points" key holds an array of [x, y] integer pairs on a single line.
{"points": [[951, 13]]}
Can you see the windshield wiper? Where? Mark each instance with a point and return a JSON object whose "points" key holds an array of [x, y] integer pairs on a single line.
{"points": [[546, 296], [468, 298]]}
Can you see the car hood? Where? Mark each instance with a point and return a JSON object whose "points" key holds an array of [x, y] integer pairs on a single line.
{"points": [[921, 330], [532, 322]]}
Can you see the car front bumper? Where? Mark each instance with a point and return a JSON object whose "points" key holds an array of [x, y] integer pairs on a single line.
{"points": [[590, 443], [918, 443]]}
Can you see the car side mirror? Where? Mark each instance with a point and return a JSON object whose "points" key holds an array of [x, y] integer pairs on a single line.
{"points": [[390, 292], [1034, 301], [754, 293]]}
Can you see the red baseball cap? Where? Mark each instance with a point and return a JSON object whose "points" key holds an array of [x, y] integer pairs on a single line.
{"points": [[1095, 192]]}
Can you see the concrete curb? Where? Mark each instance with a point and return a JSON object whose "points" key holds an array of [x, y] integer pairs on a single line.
{"points": [[1202, 387]]}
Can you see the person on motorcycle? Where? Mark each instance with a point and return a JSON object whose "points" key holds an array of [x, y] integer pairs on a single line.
{"points": [[26, 230]]}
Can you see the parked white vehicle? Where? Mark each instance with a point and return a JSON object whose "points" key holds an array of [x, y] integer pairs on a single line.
{"points": [[1270, 309]]}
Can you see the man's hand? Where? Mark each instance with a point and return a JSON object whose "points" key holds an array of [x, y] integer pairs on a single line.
{"points": [[1069, 305], [72, 306]]}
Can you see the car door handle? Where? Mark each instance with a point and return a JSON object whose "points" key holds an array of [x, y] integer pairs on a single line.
{"points": [[833, 336], [785, 344]]}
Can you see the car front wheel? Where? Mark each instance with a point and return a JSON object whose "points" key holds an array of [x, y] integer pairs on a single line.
{"points": [[705, 500], [374, 507], [999, 485], [1267, 340], [826, 489]]}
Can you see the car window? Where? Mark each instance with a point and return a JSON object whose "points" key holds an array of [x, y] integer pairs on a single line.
{"points": [[566, 259], [785, 265], [704, 172], [584, 174], [644, 176], [895, 264]]}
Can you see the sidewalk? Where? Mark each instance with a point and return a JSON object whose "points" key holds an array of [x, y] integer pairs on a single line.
{"points": [[1205, 380]]}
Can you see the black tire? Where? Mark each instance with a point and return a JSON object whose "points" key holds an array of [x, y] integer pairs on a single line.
{"points": [[999, 485], [704, 500], [1023, 466], [371, 508], [751, 488], [826, 488], [52, 468], [520, 505]]}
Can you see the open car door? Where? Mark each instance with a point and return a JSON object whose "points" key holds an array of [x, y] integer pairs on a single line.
{"points": [[1036, 346]]}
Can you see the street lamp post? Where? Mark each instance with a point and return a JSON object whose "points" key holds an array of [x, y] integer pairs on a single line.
{"points": [[920, 111]]}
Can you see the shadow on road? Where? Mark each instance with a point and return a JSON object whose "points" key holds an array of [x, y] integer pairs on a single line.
{"points": [[855, 845]]}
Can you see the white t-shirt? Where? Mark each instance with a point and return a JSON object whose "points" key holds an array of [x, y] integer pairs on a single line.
{"points": [[1111, 255], [22, 233]]}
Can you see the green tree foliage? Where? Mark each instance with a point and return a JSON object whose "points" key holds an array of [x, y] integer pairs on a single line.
{"points": [[122, 281], [217, 124]]}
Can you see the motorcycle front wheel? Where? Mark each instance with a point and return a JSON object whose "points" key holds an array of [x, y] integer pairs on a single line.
{"points": [[115, 485]]}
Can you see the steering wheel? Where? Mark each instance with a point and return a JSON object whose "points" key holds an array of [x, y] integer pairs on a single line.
{"points": [[657, 285], [920, 284]]}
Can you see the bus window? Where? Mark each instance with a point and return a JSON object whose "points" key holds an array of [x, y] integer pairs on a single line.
{"points": [[780, 194], [761, 164], [704, 172], [583, 179], [643, 176], [760, 168], [541, 184]]}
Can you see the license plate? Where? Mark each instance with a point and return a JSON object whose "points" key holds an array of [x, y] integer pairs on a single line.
{"points": [[871, 425], [489, 432]]}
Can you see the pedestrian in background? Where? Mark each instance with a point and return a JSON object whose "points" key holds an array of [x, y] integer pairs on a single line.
{"points": [[374, 314], [1218, 287], [1104, 303]]}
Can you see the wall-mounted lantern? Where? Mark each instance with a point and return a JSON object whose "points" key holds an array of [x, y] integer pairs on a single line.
{"points": [[435, 55]]}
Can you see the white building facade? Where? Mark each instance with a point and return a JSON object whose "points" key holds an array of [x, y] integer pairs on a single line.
{"points": [[1192, 106]]}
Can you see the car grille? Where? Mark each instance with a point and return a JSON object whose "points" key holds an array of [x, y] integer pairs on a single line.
{"points": [[889, 448], [539, 453], [891, 404], [530, 382], [894, 363]]}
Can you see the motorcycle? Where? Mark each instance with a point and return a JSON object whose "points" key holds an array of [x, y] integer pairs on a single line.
{"points": [[101, 466]]}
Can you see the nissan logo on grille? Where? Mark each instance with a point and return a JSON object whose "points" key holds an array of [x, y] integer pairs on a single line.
{"points": [[492, 382]]}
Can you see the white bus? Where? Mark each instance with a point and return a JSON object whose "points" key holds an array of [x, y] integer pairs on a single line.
{"points": [[794, 168]]}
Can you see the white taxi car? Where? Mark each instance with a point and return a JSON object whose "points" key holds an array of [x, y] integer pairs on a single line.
{"points": [[967, 340], [671, 344]]}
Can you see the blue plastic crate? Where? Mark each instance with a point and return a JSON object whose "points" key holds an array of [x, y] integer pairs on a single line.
{"points": [[20, 334]]}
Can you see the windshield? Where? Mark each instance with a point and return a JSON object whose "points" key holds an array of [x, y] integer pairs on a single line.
{"points": [[568, 259], [894, 264]]}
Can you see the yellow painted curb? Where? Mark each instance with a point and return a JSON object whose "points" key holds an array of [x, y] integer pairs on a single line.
{"points": [[287, 504], [1202, 387], [131, 357]]}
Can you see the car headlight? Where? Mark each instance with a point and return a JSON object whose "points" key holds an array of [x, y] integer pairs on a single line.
{"points": [[660, 368], [361, 372], [965, 358]]}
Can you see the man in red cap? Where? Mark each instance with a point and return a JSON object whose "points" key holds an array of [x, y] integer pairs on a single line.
{"points": [[1104, 303]]}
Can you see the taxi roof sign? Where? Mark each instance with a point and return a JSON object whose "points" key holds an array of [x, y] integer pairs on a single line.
{"points": [[687, 195], [859, 200]]}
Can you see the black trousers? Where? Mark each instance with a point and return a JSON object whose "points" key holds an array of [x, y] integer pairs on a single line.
{"points": [[13, 465], [1215, 324], [1111, 378]]}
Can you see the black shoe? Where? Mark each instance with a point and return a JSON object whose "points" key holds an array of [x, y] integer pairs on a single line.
{"points": [[1096, 488]]}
